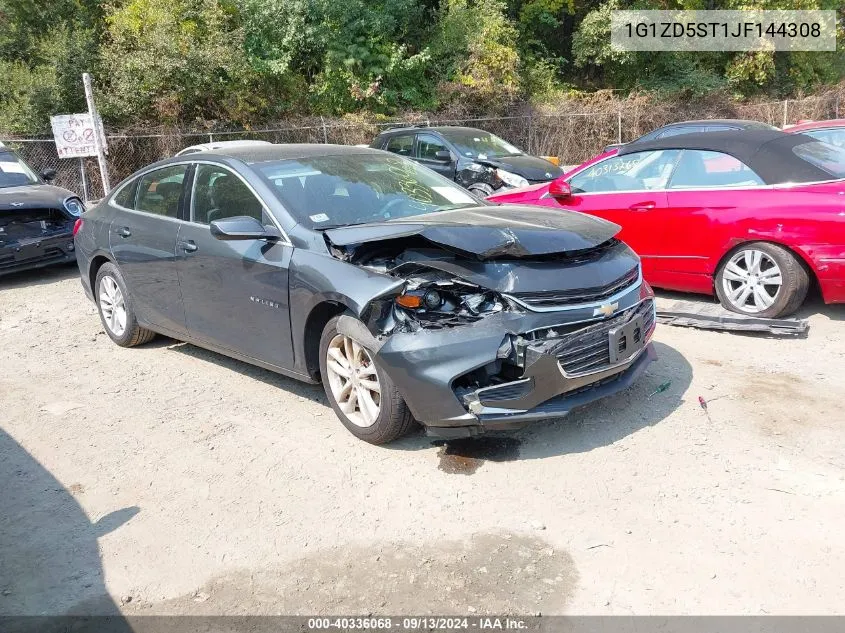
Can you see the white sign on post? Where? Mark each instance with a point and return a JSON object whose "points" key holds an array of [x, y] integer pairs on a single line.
{"points": [[74, 135]]}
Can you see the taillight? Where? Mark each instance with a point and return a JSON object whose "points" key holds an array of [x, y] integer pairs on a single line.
{"points": [[76, 226]]}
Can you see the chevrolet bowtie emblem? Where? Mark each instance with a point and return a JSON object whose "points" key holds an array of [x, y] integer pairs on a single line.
{"points": [[606, 310], [17, 204]]}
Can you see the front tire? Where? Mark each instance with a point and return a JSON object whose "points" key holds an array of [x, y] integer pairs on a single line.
{"points": [[360, 392], [115, 307], [763, 280]]}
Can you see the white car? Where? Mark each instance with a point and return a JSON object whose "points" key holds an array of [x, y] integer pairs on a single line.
{"points": [[207, 147]]}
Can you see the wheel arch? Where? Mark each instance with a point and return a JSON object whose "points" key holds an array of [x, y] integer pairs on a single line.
{"points": [[802, 258], [315, 323], [94, 267]]}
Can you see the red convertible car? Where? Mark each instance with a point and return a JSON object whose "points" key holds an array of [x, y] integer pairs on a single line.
{"points": [[755, 216]]}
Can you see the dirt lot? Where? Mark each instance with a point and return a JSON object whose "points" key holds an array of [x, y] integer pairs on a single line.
{"points": [[168, 479]]}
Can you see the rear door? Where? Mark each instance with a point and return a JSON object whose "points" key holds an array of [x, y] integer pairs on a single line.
{"points": [[235, 292], [142, 237]]}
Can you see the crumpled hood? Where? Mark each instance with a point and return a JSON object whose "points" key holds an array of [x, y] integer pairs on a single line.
{"points": [[33, 197], [487, 232], [529, 167]]}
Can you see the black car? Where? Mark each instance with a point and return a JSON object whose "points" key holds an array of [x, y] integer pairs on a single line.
{"points": [[475, 159], [36, 218], [703, 125], [409, 299]]}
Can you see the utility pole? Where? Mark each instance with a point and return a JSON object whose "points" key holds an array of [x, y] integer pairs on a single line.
{"points": [[99, 137]]}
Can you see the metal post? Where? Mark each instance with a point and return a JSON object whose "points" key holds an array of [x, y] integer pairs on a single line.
{"points": [[530, 121], [325, 134], [211, 138], [619, 126], [836, 108], [85, 195], [98, 130], [785, 112]]}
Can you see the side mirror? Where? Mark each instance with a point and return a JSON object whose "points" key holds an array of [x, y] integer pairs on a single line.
{"points": [[48, 174], [443, 155], [560, 189], [243, 227]]}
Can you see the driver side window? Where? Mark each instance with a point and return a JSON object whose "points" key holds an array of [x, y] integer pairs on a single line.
{"points": [[428, 146], [640, 171], [219, 194]]}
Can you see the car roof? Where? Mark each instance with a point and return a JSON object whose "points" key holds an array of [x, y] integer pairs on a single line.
{"points": [[263, 153], [715, 122], [436, 128], [767, 152], [816, 125]]}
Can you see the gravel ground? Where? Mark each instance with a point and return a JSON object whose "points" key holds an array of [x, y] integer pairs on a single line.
{"points": [[169, 479]]}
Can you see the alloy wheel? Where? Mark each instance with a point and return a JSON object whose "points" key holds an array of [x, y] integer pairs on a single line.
{"points": [[353, 380], [751, 280], [112, 305]]}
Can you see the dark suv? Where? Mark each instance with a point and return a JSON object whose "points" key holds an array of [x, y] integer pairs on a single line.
{"points": [[36, 218], [475, 159]]}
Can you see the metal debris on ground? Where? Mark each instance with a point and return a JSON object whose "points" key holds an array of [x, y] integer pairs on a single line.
{"points": [[712, 316]]}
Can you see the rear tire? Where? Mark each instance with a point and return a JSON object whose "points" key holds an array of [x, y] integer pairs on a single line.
{"points": [[362, 395], [115, 307], [763, 280]]}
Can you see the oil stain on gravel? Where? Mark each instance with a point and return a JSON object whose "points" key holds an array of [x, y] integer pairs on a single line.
{"points": [[466, 455], [503, 574]]}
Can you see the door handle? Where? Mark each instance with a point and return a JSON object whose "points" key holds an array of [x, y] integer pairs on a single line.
{"points": [[642, 206], [124, 232], [189, 246]]}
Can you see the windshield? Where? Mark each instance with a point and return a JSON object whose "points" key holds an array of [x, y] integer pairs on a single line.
{"points": [[330, 191], [14, 172], [830, 158], [479, 144]]}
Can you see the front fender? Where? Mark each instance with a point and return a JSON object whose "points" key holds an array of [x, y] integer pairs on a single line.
{"points": [[317, 278]]}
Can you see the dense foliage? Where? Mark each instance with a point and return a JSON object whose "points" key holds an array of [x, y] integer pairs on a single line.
{"points": [[247, 61]]}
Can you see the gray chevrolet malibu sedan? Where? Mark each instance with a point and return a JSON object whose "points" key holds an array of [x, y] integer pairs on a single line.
{"points": [[408, 298]]}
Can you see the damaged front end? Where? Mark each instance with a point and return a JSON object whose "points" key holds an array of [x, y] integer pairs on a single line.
{"points": [[482, 335], [34, 237]]}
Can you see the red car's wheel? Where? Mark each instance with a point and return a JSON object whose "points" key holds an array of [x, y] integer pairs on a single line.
{"points": [[762, 279]]}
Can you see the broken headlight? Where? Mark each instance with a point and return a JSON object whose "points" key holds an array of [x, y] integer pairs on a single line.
{"points": [[447, 304]]}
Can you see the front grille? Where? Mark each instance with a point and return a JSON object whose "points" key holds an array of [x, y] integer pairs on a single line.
{"points": [[552, 298], [588, 350]]}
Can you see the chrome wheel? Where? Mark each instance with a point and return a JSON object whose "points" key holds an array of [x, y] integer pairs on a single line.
{"points": [[112, 305], [353, 380], [751, 280]]}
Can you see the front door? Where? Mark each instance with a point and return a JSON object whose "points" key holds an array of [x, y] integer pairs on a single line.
{"points": [[143, 241], [235, 292], [425, 153], [630, 191]]}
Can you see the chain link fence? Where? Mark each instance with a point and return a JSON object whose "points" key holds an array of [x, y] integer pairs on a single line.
{"points": [[572, 137]]}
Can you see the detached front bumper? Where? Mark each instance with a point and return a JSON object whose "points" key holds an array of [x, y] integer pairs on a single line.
{"points": [[564, 360]]}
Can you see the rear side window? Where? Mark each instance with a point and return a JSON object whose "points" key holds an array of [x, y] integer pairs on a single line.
{"points": [[828, 157], [126, 196], [699, 169], [402, 145], [159, 191]]}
